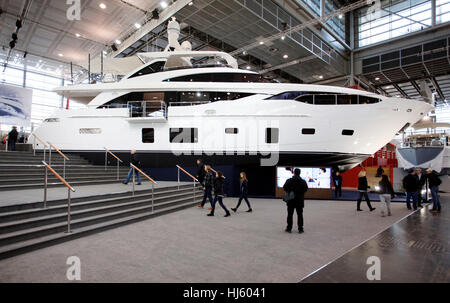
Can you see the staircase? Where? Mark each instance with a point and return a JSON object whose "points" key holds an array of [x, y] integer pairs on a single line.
{"points": [[27, 227], [23, 170]]}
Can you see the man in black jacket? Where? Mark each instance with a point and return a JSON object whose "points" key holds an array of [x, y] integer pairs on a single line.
{"points": [[410, 184], [135, 161], [12, 138], [337, 180], [200, 171], [434, 182], [420, 183], [299, 187]]}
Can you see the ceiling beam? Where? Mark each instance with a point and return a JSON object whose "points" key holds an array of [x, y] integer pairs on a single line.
{"points": [[400, 90], [294, 62], [414, 83], [437, 88], [322, 19], [151, 25]]}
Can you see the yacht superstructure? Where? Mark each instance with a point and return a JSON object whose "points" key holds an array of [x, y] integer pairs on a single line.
{"points": [[184, 104]]}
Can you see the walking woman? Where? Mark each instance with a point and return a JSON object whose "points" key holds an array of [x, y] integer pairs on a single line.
{"points": [[386, 194], [218, 194], [243, 193], [208, 184], [362, 189]]}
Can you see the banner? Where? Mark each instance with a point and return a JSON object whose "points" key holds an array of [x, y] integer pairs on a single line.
{"points": [[15, 105]]}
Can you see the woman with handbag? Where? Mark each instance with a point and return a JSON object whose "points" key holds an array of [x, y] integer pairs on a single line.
{"points": [[386, 194], [362, 189]]}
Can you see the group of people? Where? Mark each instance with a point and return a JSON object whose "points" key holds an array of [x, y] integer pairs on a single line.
{"points": [[211, 183], [413, 184]]}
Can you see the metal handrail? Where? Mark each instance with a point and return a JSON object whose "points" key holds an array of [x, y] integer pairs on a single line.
{"points": [[34, 144], [69, 189], [151, 180], [194, 179], [144, 174], [183, 170], [107, 151], [59, 152]]}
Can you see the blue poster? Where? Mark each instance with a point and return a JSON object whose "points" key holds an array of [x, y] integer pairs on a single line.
{"points": [[15, 105]]}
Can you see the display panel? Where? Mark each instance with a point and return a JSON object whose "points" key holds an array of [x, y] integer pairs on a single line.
{"points": [[315, 177]]}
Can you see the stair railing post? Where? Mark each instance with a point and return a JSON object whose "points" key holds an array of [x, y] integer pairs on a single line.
{"points": [[106, 158], [49, 155], [153, 197], [118, 170], [178, 178], [194, 191], [45, 188], [133, 172], [68, 210]]}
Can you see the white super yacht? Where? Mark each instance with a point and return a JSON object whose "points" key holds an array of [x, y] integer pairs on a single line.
{"points": [[181, 104]]}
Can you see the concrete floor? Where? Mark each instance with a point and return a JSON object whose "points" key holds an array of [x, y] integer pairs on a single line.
{"points": [[188, 246]]}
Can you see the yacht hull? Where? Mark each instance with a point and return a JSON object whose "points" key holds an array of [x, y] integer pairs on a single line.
{"points": [[167, 159]]}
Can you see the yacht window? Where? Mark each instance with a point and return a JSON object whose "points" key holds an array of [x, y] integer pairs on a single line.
{"points": [[348, 132], [308, 131], [306, 99], [347, 99], [184, 135], [222, 77], [149, 69], [51, 120], [325, 99], [287, 96], [368, 100], [173, 97], [90, 131], [148, 135], [231, 130], [272, 135]]}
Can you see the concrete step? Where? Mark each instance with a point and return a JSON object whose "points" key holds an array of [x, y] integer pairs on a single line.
{"points": [[52, 179], [81, 211], [39, 161], [125, 193], [17, 214], [13, 169], [69, 174], [103, 180], [80, 230]]}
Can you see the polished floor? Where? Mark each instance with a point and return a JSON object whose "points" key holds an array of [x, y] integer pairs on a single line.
{"points": [[188, 246], [414, 250]]}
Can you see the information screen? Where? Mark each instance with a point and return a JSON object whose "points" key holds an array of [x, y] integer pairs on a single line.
{"points": [[314, 177]]}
